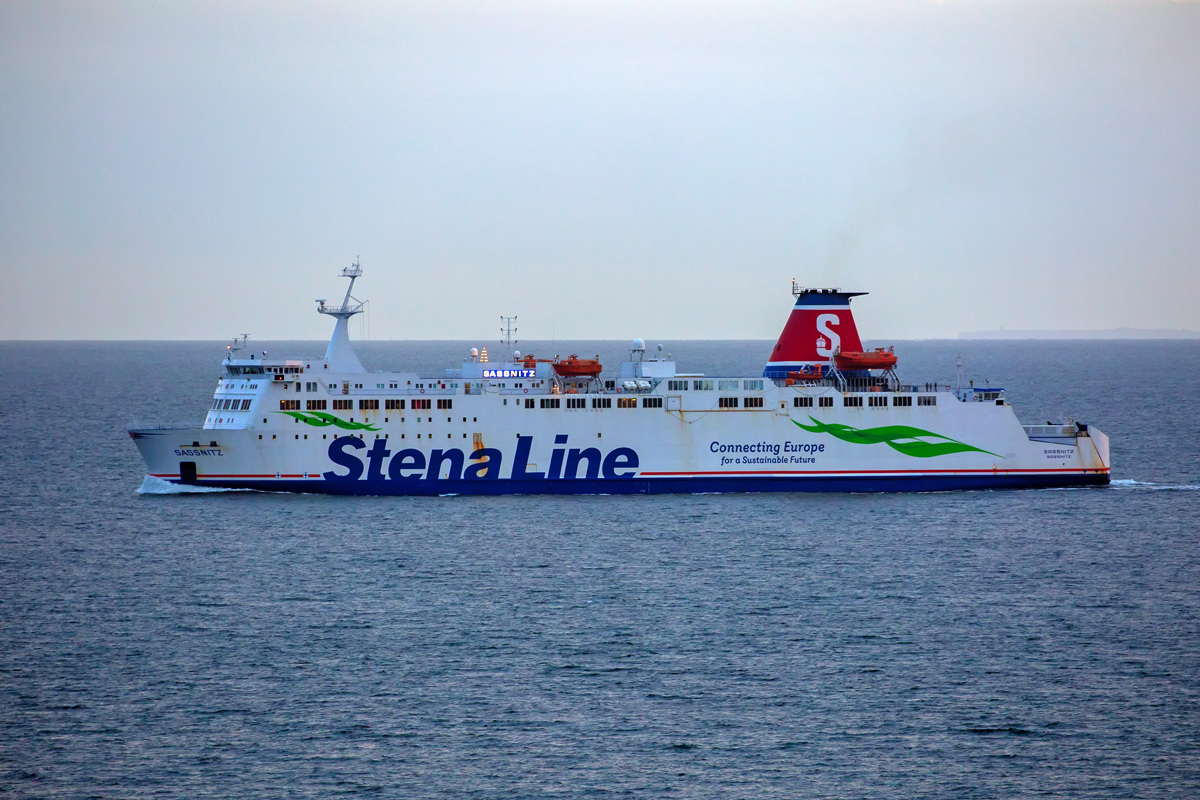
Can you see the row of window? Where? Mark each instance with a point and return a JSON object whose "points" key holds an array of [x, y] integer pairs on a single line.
{"points": [[849, 401], [873, 401], [707, 385], [232, 404], [732, 402]]}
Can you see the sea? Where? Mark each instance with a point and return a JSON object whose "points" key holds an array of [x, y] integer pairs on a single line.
{"points": [[983, 644]]}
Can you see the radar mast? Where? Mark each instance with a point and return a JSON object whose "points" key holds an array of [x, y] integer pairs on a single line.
{"points": [[340, 355]]}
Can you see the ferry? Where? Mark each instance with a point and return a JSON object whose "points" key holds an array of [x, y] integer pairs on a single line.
{"points": [[824, 415]]}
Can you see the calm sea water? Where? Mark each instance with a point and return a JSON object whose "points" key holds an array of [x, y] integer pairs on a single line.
{"points": [[235, 644]]}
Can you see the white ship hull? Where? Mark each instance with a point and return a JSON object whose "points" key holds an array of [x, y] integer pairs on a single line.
{"points": [[696, 447]]}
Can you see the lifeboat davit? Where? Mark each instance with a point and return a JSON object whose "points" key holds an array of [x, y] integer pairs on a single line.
{"points": [[576, 367], [870, 359]]}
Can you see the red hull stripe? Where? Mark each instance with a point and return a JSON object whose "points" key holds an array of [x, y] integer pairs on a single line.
{"points": [[878, 472], [756, 472]]}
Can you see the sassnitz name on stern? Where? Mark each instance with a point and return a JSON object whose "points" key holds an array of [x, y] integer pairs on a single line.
{"points": [[824, 415]]}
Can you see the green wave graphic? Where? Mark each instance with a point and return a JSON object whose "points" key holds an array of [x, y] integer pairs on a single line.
{"points": [[319, 419], [901, 438]]}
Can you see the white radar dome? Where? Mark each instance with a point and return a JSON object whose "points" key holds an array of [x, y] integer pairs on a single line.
{"points": [[516, 355], [474, 352], [639, 344]]}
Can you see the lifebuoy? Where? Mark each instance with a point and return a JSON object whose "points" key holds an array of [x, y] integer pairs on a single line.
{"points": [[422, 391], [526, 391]]}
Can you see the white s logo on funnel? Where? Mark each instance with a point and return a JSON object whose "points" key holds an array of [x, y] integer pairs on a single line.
{"points": [[835, 341]]}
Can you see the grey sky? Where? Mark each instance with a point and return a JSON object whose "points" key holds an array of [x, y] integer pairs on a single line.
{"points": [[604, 170]]}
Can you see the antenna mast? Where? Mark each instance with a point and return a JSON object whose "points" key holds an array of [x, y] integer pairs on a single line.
{"points": [[508, 329]]}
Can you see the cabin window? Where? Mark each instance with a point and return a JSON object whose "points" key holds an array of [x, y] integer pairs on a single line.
{"points": [[626, 402], [825, 402], [927, 400], [575, 402], [393, 405], [677, 386], [852, 401], [445, 403], [601, 402], [724, 385], [529, 402], [419, 404], [802, 402], [753, 402], [550, 402], [877, 401], [652, 402], [368, 405], [610, 384], [727, 402], [289, 405], [343, 405], [317, 405], [702, 386], [752, 385], [901, 400]]}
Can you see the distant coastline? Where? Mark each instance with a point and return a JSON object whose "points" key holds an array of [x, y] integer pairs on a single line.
{"points": [[1107, 333]]}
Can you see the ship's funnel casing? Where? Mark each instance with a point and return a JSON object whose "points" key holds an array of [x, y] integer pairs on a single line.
{"points": [[820, 324]]}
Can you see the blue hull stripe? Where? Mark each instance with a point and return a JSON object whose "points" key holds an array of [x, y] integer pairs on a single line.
{"points": [[832, 483]]}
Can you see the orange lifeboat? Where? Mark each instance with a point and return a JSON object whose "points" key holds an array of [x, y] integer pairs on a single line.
{"points": [[576, 367], [812, 372], [871, 359]]}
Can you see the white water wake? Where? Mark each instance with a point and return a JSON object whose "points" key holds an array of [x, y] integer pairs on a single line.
{"points": [[153, 485], [1129, 483]]}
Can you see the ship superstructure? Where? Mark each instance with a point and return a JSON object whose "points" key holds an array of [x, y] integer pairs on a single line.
{"points": [[824, 415]]}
